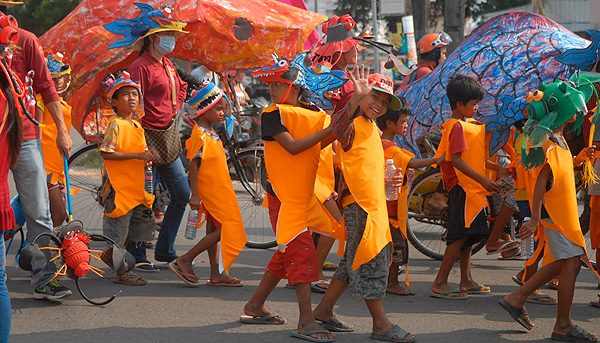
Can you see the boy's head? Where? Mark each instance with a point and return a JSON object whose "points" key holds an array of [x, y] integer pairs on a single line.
{"points": [[125, 96], [60, 72], [395, 122], [464, 92], [207, 102], [280, 76], [381, 97]]}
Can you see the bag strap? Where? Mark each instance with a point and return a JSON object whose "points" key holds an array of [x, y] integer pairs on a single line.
{"points": [[173, 90]]}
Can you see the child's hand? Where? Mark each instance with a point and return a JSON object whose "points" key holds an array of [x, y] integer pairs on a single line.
{"points": [[489, 185], [195, 202], [362, 87], [504, 171], [586, 154], [396, 180], [149, 155], [529, 228], [440, 159]]}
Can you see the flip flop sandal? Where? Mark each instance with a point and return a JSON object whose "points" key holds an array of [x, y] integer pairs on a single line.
{"points": [[147, 267], [504, 247], [477, 290], [517, 280], [188, 279], [576, 335], [395, 334], [262, 320], [130, 279], [335, 325], [595, 303], [314, 286], [446, 295], [306, 336], [518, 314], [535, 300], [329, 266], [226, 283]]}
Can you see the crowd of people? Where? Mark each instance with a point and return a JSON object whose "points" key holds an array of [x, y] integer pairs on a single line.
{"points": [[326, 180]]}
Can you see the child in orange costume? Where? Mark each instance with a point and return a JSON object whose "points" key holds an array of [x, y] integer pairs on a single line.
{"points": [[210, 184], [464, 173], [394, 123], [293, 138], [366, 261], [127, 206], [53, 161]]}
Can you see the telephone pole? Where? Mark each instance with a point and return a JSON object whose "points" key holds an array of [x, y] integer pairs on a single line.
{"points": [[420, 12], [454, 22]]}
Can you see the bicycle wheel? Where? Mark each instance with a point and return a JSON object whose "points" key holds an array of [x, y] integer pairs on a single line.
{"points": [[250, 188], [85, 174], [426, 229]]}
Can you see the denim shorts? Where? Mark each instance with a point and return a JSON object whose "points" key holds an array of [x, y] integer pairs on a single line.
{"points": [[369, 281]]}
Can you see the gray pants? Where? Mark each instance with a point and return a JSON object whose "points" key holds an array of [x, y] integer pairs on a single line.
{"points": [[369, 281], [30, 178], [137, 225]]}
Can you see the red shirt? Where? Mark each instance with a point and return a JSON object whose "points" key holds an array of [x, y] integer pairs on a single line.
{"points": [[28, 55], [457, 142], [7, 217], [156, 89]]}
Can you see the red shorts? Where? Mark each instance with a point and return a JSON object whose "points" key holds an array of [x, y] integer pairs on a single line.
{"points": [[210, 218], [298, 263]]}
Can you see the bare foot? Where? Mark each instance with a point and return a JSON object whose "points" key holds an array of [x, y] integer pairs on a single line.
{"points": [[494, 245], [564, 330], [553, 284], [398, 290], [517, 304], [471, 286], [224, 278], [185, 265], [443, 288], [438, 201], [381, 331], [262, 311], [313, 326]]}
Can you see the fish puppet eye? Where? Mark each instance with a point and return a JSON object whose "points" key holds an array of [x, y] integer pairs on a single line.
{"points": [[282, 63], [552, 101], [538, 95]]}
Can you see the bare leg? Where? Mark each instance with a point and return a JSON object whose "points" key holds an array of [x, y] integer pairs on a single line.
{"points": [[323, 247], [393, 286], [518, 297], [440, 284], [381, 324], [466, 279], [306, 321], [256, 304], [213, 235], [438, 200], [57, 206], [496, 240], [324, 311], [566, 290]]}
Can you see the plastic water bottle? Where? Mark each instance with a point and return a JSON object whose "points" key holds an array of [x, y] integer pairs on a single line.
{"points": [[527, 244], [192, 224], [391, 192], [148, 179]]}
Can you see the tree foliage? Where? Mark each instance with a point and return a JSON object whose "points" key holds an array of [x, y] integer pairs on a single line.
{"points": [[38, 16]]}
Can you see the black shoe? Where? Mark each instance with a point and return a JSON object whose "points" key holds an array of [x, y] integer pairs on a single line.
{"points": [[163, 258], [52, 291]]}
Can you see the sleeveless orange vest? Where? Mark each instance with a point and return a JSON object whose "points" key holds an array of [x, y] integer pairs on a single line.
{"points": [[401, 158], [293, 177], [363, 167], [217, 194], [325, 183], [475, 157], [561, 200], [53, 161], [127, 176]]}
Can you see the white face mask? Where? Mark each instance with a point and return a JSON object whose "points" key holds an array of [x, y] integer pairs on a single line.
{"points": [[166, 44]]}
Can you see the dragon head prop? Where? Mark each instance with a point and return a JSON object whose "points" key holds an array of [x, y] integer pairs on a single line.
{"points": [[549, 107]]}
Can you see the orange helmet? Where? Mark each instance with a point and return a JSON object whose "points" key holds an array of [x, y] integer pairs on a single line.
{"points": [[433, 40]]}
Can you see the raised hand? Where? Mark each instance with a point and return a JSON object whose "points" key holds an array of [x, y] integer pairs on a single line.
{"points": [[362, 87]]}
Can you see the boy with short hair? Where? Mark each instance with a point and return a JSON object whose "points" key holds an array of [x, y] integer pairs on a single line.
{"points": [[394, 123], [463, 173], [293, 138], [366, 261], [127, 206]]}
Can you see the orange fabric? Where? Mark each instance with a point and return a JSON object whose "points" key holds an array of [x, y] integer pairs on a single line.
{"points": [[325, 183], [293, 177], [595, 221], [363, 167], [401, 158], [217, 194], [127, 176], [474, 157], [561, 200], [53, 161], [298, 263]]}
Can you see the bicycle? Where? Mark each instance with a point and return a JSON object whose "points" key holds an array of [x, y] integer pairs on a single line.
{"points": [[249, 179]]}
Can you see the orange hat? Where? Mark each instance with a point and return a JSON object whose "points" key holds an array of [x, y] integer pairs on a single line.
{"points": [[432, 41]]}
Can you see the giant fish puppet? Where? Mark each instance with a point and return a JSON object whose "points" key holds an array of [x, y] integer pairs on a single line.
{"points": [[510, 55]]}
